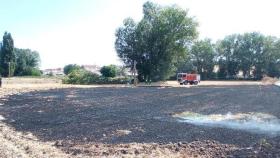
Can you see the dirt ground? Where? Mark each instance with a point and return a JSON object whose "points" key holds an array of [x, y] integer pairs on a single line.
{"points": [[48, 119]]}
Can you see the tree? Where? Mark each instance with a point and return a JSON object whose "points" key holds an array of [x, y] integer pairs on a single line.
{"points": [[252, 53], [125, 43], [202, 56], [27, 62], [7, 61], [157, 42], [70, 67], [186, 65], [272, 56], [227, 61], [109, 71]]}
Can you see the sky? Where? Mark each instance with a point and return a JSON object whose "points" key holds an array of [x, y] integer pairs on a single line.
{"points": [[83, 31]]}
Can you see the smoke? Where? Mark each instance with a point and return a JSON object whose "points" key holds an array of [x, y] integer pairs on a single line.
{"points": [[2, 118], [252, 122]]}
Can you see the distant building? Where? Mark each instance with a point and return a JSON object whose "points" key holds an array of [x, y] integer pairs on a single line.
{"points": [[92, 68], [55, 72]]}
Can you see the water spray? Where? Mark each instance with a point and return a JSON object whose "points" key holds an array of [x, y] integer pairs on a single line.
{"points": [[260, 123]]}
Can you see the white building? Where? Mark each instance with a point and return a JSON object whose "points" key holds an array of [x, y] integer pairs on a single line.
{"points": [[92, 68], [55, 72]]}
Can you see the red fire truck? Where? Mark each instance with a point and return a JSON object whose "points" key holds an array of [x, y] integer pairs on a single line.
{"points": [[185, 78]]}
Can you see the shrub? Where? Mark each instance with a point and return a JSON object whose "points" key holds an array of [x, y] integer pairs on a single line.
{"points": [[109, 71], [73, 78], [89, 78], [70, 67], [82, 76], [30, 71]]}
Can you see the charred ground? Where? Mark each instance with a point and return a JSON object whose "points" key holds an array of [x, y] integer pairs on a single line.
{"points": [[84, 115]]}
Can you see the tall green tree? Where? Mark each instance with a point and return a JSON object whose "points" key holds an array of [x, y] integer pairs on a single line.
{"points": [[257, 53], [272, 56], [26, 61], [252, 53], [186, 65], [125, 43], [157, 42], [227, 60], [7, 61], [202, 55]]}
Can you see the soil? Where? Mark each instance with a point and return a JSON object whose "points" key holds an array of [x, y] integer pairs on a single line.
{"points": [[69, 121]]}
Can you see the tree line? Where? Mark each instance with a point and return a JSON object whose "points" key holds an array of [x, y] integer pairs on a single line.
{"points": [[165, 41], [17, 61], [245, 56]]}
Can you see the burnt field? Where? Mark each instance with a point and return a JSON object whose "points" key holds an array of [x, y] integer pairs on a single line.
{"points": [[143, 115]]}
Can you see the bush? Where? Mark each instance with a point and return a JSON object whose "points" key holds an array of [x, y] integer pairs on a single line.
{"points": [[72, 78], [82, 76], [89, 78], [30, 71], [70, 67], [109, 71]]}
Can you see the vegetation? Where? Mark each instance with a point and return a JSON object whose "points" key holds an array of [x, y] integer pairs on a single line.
{"points": [[163, 42], [157, 42], [201, 59], [254, 54], [109, 71], [243, 56], [82, 76], [27, 62], [18, 62], [70, 67], [7, 57], [30, 71]]}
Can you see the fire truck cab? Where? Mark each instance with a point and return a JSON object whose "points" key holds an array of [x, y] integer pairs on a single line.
{"points": [[185, 78]]}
